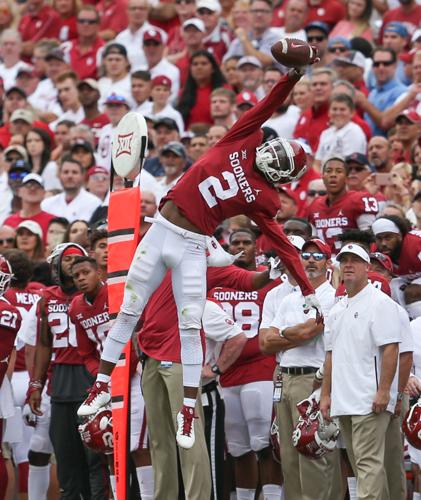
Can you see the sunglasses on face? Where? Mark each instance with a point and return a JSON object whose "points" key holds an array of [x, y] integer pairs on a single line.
{"points": [[87, 21], [8, 241], [357, 168], [318, 256], [17, 176], [332, 50], [314, 192], [316, 38], [377, 64]]}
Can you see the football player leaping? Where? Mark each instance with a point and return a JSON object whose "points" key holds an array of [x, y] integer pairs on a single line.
{"points": [[236, 176]]}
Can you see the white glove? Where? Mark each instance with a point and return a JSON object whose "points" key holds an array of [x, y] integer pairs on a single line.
{"points": [[217, 256], [28, 417], [312, 302], [274, 265]]}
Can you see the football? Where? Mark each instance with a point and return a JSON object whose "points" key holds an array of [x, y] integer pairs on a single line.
{"points": [[293, 53]]}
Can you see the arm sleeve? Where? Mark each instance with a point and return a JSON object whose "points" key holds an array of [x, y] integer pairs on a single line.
{"points": [[385, 323], [285, 251], [230, 277], [253, 119]]}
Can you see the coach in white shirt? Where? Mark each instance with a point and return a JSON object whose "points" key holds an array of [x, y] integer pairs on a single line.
{"points": [[360, 384], [74, 202], [296, 335]]}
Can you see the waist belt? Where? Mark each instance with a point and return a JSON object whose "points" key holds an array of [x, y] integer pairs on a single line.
{"points": [[211, 386], [298, 370]]}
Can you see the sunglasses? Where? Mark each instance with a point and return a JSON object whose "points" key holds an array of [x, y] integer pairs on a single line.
{"points": [[17, 176], [318, 256], [357, 168], [87, 21], [332, 50], [377, 64], [8, 241], [316, 38], [313, 192]]}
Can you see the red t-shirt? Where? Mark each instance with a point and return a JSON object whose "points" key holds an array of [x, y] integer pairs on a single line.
{"points": [[245, 308], [311, 124], [63, 331], [278, 17], [43, 24], [330, 220], [85, 64], [327, 11], [113, 15], [43, 219], [10, 321], [200, 112], [67, 29], [376, 279], [224, 182], [96, 125]]}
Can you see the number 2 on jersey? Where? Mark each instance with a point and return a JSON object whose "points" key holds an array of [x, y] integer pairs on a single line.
{"points": [[220, 193]]}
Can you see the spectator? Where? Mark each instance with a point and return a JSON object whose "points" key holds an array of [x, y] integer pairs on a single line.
{"points": [[81, 133], [38, 21], [407, 126], [29, 239], [222, 107], [193, 34], [7, 237], [186, 9], [113, 18], [315, 188], [351, 68], [295, 20], [78, 232], [398, 191], [99, 250], [156, 64], [395, 37], [288, 201], [83, 152], [148, 208], [313, 121], [140, 89], [28, 80], [358, 171], [218, 38], [55, 233], [166, 130], [31, 193], [116, 79], [67, 11], [232, 74], [10, 200], [98, 182], [62, 138], [244, 101], [38, 145], [302, 95], [132, 36], [317, 35], [408, 12], [88, 97], [258, 41], [343, 137], [159, 107], [240, 16], [10, 51], [215, 133], [74, 202], [198, 147], [204, 77], [9, 15], [329, 12], [357, 21], [415, 208], [21, 122], [379, 156], [41, 49], [251, 73], [337, 46], [173, 160], [68, 97], [84, 53]]}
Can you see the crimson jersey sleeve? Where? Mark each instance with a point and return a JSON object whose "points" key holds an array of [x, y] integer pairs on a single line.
{"points": [[361, 203], [10, 321], [230, 277]]}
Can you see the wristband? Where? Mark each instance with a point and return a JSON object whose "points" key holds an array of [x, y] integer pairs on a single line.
{"points": [[400, 396], [215, 369], [281, 333], [318, 375]]}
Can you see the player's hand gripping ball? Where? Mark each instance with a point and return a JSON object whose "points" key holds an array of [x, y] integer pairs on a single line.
{"points": [[294, 53]]}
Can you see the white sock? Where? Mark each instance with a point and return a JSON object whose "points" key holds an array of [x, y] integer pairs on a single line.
{"points": [[191, 357], [189, 402], [113, 485], [352, 488], [101, 377], [38, 482], [272, 491], [245, 493], [146, 483]]}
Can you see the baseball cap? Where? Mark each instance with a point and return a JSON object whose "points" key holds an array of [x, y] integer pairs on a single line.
{"points": [[410, 115], [212, 5], [297, 241], [320, 244], [161, 80], [319, 25], [355, 250], [353, 58], [416, 35], [196, 22], [20, 165], [246, 97], [34, 178], [80, 143], [383, 259], [18, 149], [114, 48], [90, 82], [26, 70], [57, 54], [249, 60], [153, 35], [167, 122], [97, 169], [174, 147], [16, 89], [24, 115], [357, 158], [117, 99], [290, 193], [339, 39], [32, 226], [396, 27]]}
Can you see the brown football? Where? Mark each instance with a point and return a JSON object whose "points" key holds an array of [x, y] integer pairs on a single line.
{"points": [[293, 53]]}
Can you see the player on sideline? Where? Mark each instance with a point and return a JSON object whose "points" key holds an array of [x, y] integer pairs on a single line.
{"points": [[236, 176]]}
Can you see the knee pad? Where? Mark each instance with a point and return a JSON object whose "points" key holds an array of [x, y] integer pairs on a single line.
{"points": [[190, 316], [41, 444], [259, 443], [191, 347], [123, 327]]}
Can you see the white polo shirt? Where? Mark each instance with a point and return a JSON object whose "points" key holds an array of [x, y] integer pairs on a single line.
{"points": [[291, 313], [81, 207], [343, 141], [355, 331], [273, 299], [416, 332]]}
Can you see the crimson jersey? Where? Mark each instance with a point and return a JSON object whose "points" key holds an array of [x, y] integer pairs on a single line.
{"points": [[159, 337], [409, 263], [10, 321], [330, 220], [376, 279], [224, 182], [56, 308], [23, 299], [245, 308]]}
